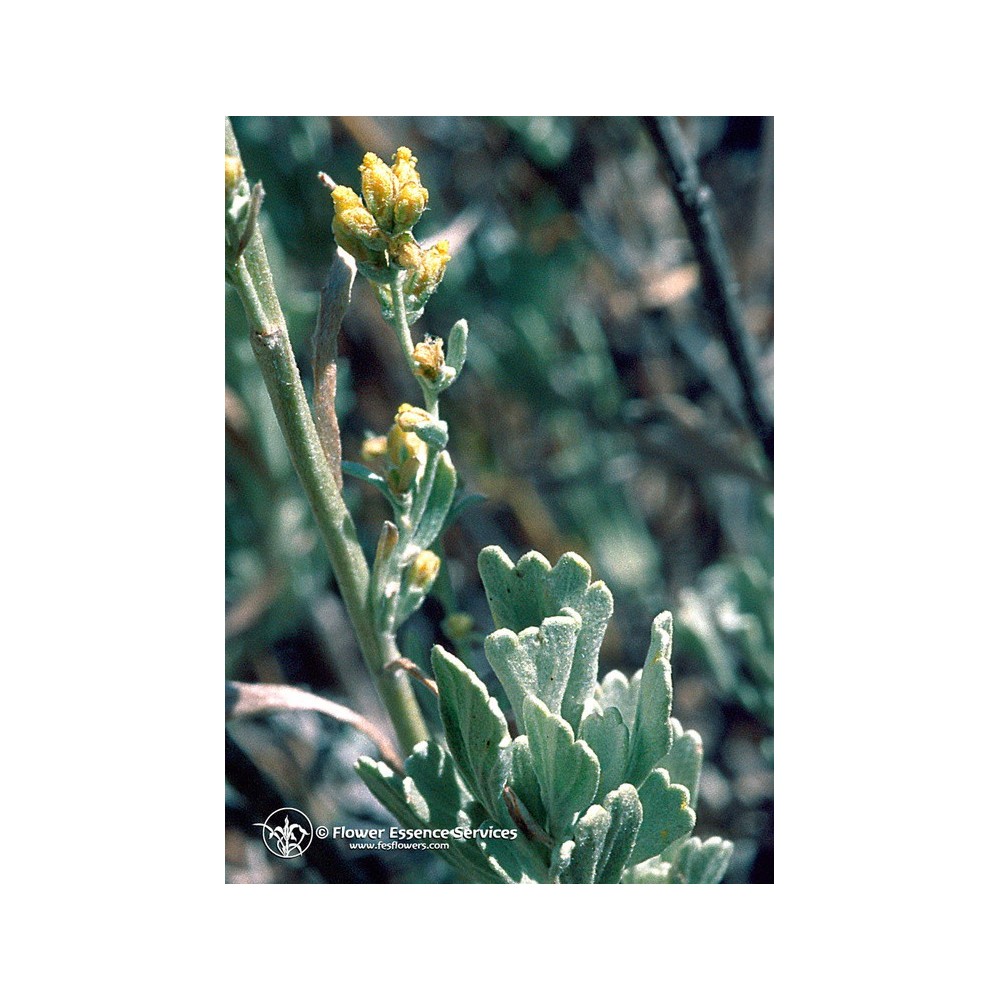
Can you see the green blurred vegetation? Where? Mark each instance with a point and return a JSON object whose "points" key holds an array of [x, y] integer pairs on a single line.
{"points": [[599, 412]]}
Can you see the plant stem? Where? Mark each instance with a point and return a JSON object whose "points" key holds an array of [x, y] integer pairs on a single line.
{"points": [[273, 350], [696, 205], [402, 328], [399, 323]]}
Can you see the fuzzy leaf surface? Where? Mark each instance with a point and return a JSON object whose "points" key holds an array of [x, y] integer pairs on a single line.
{"points": [[567, 770], [524, 595], [684, 760], [536, 661], [618, 691], [649, 740], [666, 816], [438, 503], [606, 734], [475, 729], [624, 808], [702, 863], [589, 834]]}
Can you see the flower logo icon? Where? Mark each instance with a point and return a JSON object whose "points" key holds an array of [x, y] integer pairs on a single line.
{"points": [[287, 832]]}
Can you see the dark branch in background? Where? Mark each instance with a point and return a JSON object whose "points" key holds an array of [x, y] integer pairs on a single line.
{"points": [[696, 204]]}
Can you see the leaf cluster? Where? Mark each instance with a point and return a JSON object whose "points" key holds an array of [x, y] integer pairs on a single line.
{"points": [[598, 781]]}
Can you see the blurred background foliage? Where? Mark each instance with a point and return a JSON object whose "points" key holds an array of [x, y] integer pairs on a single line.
{"points": [[599, 412]]}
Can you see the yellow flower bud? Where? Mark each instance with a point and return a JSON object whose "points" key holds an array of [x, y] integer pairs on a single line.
{"points": [[429, 357], [352, 218], [401, 446], [424, 570], [356, 230], [409, 418], [422, 282], [410, 204], [344, 198], [404, 252], [379, 187], [374, 448], [234, 171], [404, 166], [402, 478]]}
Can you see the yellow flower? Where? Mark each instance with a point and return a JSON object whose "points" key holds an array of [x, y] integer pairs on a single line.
{"points": [[402, 445], [375, 228], [424, 570]]}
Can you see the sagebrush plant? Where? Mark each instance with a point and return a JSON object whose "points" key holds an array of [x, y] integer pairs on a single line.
{"points": [[600, 783]]}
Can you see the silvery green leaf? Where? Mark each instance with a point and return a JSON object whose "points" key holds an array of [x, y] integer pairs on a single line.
{"points": [[666, 815], [595, 609], [475, 729], [432, 769], [366, 475], [524, 781], [618, 691], [522, 596], [387, 786], [567, 770], [537, 661], [457, 342], [561, 860], [383, 598], [624, 810], [513, 858], [654, 871], [589, 835], [649, 739], [702, 863], [516, 594], [606, 734], [434, 433], [438, 503], [426, 797], [684, 759]]}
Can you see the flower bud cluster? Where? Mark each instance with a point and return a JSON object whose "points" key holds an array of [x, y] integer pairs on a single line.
{"points": [[375, 228]]}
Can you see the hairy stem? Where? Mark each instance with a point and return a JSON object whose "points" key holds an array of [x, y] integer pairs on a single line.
{"points": [[402, 328], [251, 276]]}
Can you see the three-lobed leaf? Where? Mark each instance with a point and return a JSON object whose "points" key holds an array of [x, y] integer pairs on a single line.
{"points": [[524, 595], [667, 815]]}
